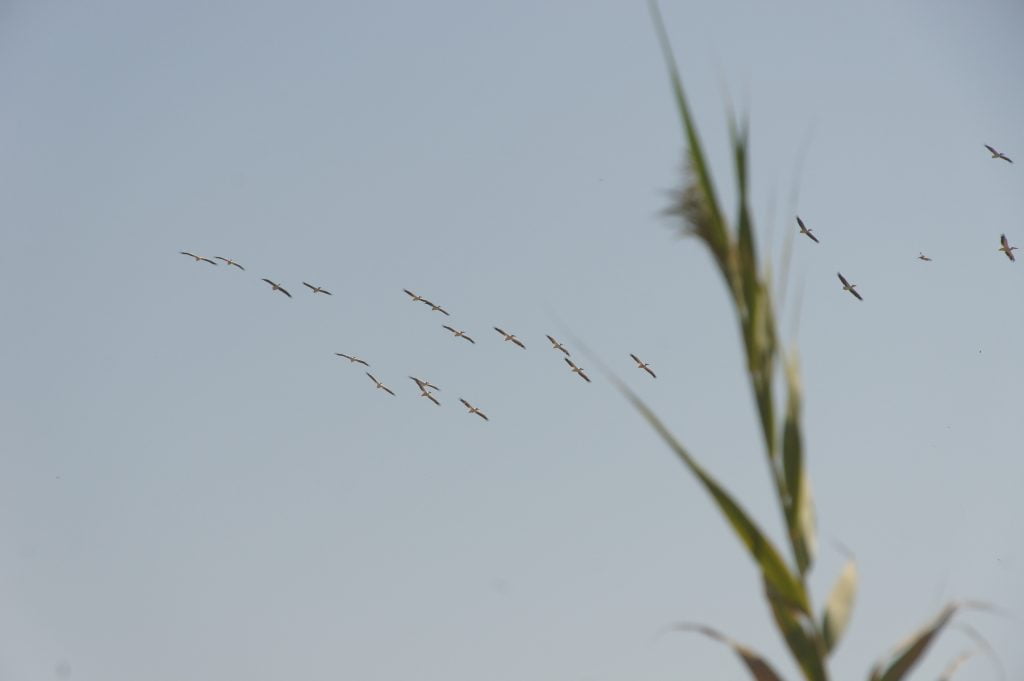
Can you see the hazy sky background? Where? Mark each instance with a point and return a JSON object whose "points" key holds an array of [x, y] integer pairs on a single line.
{"points": [[194, 487]]}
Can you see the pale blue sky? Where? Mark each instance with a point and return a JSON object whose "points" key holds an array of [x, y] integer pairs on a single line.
{"points": [[195, 487]]}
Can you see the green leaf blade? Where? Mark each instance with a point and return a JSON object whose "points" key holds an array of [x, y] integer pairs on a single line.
{"points": [[761, 549], [758, 667], [909, 653]]}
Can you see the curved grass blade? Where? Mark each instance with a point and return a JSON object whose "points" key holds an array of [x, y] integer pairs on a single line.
{"points": [[759, 668], [983, 645], [839, 606], [910, 652], [957, 662], [761, 549]]}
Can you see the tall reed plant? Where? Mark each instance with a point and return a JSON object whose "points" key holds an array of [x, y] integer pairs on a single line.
{"points": [[811, 635]]}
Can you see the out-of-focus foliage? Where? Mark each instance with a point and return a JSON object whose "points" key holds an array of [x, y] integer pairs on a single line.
{"points": [[811, 638]]}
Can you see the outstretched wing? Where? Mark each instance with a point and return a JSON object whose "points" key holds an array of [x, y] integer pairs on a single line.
{"points": [[468, 405], [843, 279], [648, 370], [994, 152], [519, 343], [855, 294], [813, 238], [469, 339], [387, 390]]}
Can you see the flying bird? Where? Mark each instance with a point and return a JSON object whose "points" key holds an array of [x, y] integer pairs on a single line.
{"points": [[847, 286], [804, 230], [429, 395], [229, 262], [277, 287], [437, 308], [415, 298], [197, 257], [576, 370], [474, 410], [922, 256], [1007, 248], [351, 359], [424, 384], [510, 337], [642, 365], [459, 334], [380, 386], [998, 154], [555, 345], [316, 289]]}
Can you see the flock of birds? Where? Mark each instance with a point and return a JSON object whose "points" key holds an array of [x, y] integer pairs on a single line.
{"points": [[425, 387], [1004, 244], [428, 389]]}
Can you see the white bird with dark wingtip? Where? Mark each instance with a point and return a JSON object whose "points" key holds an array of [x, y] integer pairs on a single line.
{"points": [[429, 395], [316, 289], [229, 262], [437, 308], [510, 337], [415, 298], [923, 257], [998, 154], [380, 386], [576, 370], [423, 385], [277, 287], [197, 257], [459, 334], [555, 345], [474, 410], [353, 360], [804, 230], [1006, 248], [847, 286], [642, 365]]}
